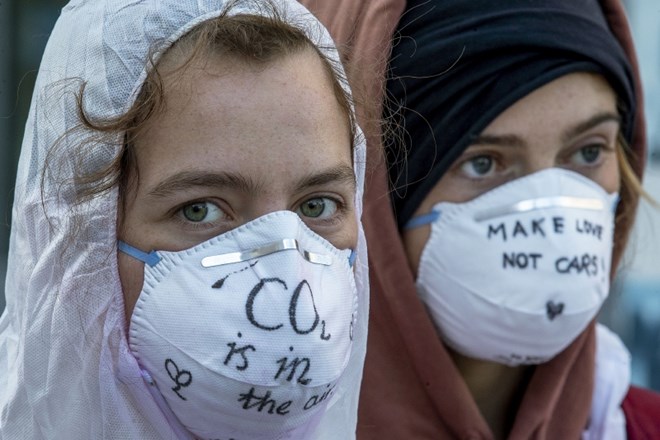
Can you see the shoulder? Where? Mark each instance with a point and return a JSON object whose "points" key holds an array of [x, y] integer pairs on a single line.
{"points": [[612, 357], [612, 379], [642, 410], [612, 367], [615, 403]]}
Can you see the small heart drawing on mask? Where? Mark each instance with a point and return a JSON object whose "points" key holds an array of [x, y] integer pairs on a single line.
{"points": [[554, 309]]}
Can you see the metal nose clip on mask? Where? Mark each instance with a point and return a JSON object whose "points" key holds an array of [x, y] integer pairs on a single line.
{"points": [[247, 335], [514, 275]]}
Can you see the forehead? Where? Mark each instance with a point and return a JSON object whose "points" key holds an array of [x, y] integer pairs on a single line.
{"points": [[229, 116], [562, 101]]}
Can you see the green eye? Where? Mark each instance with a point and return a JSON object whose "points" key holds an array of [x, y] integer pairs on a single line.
{"points": [[196, 212], [313, 208], [320, 207]]}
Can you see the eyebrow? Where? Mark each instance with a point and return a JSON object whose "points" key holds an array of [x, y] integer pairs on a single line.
{"points": [[190, 179], [186, 180], [512, 140], [590, 123], [343, 174], [506, 140]]}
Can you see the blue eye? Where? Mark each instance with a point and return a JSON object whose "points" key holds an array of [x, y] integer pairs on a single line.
{"points": [[202, 212], [318, 208], [479, 166], [589, 154]]}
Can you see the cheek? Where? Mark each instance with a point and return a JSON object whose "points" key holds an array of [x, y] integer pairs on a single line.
{"points": [[131, 275], [346, 238], [609, 176]]}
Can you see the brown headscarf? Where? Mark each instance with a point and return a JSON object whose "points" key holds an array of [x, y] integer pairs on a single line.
{"points": [[411, 387]]}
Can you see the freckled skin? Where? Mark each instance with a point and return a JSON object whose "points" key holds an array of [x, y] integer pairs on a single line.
{"points": [[539, 119], [272, 125], [540, 122]]}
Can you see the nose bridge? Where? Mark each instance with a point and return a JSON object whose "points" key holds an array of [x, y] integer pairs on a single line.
{"points": [[267, 202], [539, 159]]}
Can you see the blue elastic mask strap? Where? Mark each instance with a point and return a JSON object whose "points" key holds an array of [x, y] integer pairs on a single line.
{"points": [[352, 257], [422, 220], [150, 258], [615, 205]]}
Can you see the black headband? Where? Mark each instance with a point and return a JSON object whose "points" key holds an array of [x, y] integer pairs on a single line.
{"points": [[457, 64]]}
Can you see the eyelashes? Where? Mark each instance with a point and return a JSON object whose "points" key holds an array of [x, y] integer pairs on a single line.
{"points": [[480, 166], [321, 208], [199, 215], [202, 212]]}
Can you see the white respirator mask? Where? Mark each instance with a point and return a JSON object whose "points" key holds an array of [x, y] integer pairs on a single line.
{"points": [[247, 335], [516, 274]]}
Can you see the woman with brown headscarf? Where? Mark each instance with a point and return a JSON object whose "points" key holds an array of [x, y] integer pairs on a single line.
{"points": [[523, 132]]}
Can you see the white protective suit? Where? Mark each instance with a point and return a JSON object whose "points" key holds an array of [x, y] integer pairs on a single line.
{"points": [[66, 371]]}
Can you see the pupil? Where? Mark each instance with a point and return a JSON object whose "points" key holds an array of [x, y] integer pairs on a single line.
{"points": [[482, 164], [196, 212], [590, 154], [313, 208]]}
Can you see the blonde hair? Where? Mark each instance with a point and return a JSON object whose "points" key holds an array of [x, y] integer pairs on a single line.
{"points": [[630, 193]]}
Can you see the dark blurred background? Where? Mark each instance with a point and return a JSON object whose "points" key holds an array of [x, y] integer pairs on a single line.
{"points": [[633, 309], [24, 29]]}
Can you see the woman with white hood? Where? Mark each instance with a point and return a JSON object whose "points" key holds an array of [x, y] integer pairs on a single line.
{"points": [[186, 258]]}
